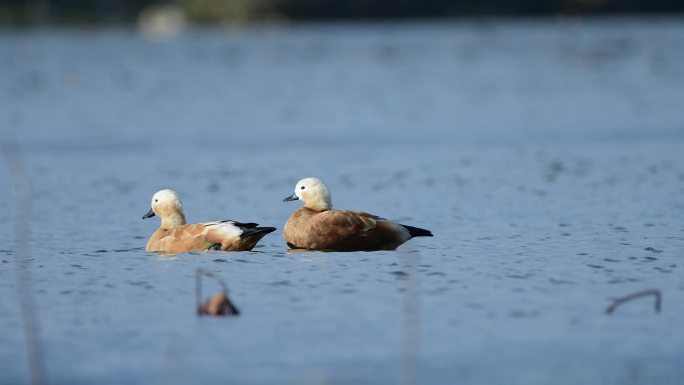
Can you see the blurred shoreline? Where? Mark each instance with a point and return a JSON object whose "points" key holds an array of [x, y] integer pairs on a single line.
{"points": [[485, 21], [239, 12]]}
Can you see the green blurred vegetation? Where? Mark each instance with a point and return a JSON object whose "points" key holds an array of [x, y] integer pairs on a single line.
{"points": [[230, 11]]}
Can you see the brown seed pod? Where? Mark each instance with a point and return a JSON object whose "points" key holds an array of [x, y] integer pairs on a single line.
{"points": [[219, 304]]}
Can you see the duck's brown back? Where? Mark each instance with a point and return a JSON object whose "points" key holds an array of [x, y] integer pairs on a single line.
{"points": [[341, 230]]}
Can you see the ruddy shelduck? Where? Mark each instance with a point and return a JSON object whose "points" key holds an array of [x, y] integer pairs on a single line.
{"points": [[316, 226], [175, 236]]}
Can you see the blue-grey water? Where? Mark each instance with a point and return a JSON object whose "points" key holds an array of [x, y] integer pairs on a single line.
{"points": [[547, 157]]}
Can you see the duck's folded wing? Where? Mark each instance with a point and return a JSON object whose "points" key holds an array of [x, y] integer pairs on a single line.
{"points": [[234, 236], [218, 232], [342, 223], [249, 225]]}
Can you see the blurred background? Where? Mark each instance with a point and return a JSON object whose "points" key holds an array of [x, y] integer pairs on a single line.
{"points": [[541, 141], [231, 11]]}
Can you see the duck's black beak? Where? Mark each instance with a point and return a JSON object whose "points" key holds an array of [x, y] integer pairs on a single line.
{"points": [[149, 214], [292, 197]]}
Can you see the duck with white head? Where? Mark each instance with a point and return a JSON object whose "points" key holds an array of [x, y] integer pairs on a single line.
{"points": [[317, 226], [175, 236]]}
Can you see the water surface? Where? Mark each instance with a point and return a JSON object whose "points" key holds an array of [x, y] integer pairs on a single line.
{"points": [[545, 156]]}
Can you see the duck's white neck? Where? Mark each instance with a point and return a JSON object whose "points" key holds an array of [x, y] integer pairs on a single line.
{"points": [[173, 220], [319, 206]]}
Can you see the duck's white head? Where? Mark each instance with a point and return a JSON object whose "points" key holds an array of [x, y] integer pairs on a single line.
{"points": [[167, 205], [313, 193]]}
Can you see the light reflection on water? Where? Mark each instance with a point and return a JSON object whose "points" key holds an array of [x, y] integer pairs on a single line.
{"points": [[546, 159]]}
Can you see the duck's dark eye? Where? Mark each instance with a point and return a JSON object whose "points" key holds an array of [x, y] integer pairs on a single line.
{"points": [[302, 187], [156, 200]]}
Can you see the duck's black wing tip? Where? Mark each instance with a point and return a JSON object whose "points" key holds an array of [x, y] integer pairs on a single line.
{"points": [[417, 231], [251, 231]]}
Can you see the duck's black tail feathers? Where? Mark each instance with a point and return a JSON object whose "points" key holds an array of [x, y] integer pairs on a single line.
{"points": [[417, 231], [248, 232]]}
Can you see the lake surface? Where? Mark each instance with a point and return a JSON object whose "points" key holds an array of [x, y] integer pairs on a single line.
{"points": [[547, 157]]}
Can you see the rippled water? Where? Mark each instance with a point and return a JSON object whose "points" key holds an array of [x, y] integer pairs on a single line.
{"points": [[545, 156]]}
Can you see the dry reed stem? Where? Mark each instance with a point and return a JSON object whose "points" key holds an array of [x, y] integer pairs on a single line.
{"points": [[21, 185], [644, 293]]}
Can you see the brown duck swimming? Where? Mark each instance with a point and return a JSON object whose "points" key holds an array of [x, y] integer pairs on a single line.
{"points": [[174, 236], [316, 226]]}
